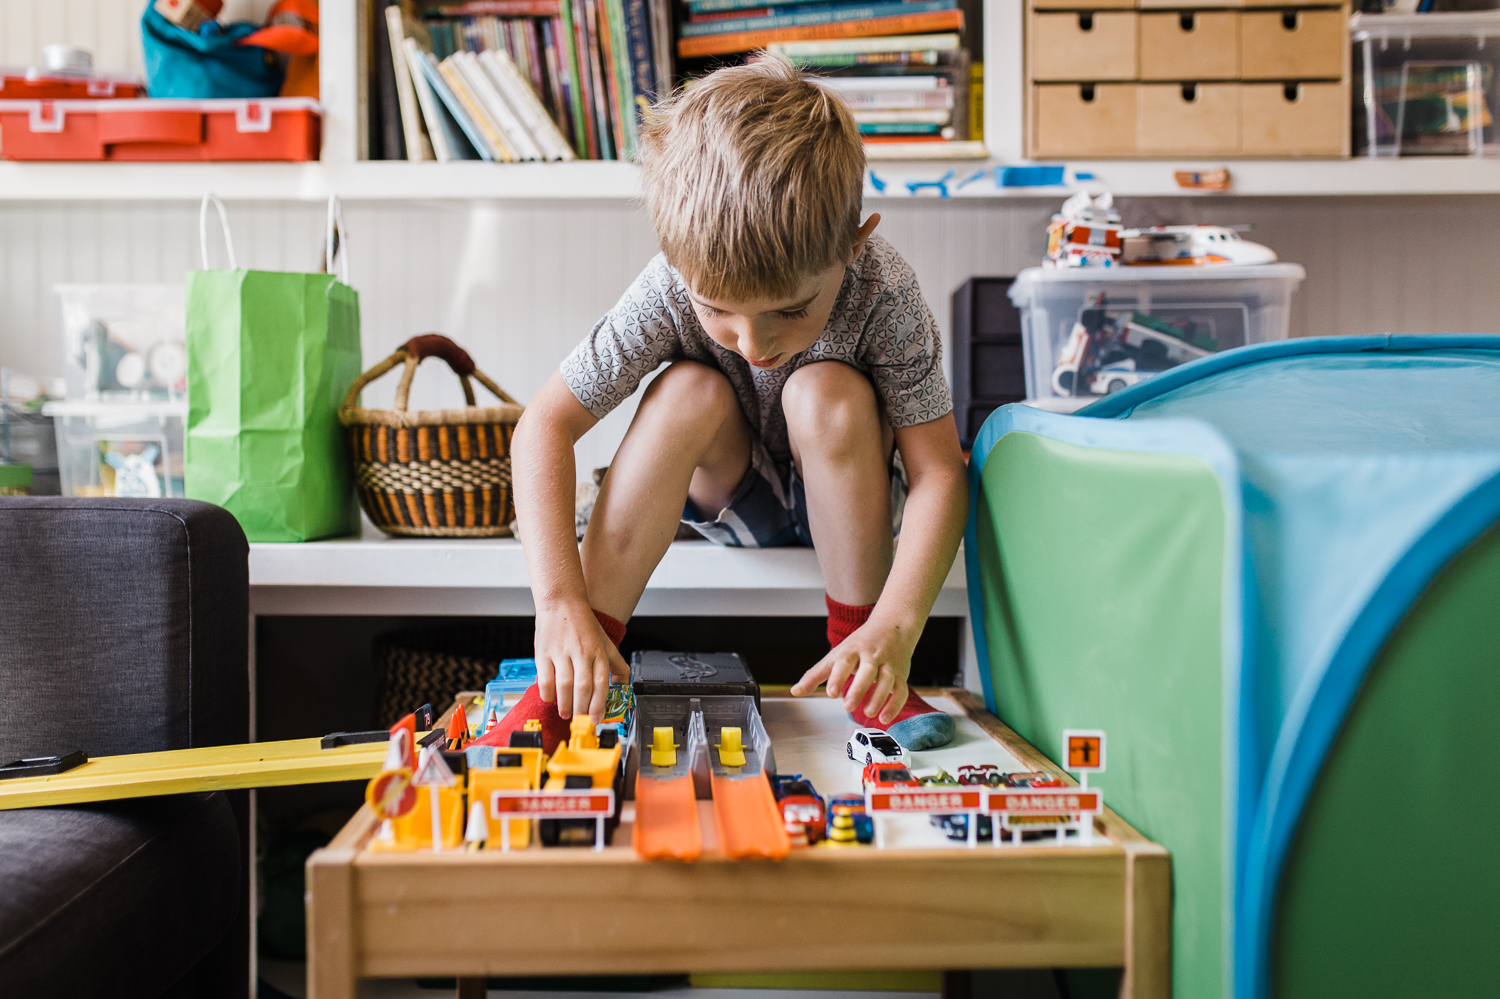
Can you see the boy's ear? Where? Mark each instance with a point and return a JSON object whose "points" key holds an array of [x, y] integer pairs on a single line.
{"points": [[861, 235]]}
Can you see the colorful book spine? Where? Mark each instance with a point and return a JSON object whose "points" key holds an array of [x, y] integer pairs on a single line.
{"points": [[497, 8], [802, 17], [746, 41], [888, 43], [899, 128], [697, 7], [642, 60]]}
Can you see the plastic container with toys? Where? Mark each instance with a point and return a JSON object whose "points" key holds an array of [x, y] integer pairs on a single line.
{"points": [[119, 449]]}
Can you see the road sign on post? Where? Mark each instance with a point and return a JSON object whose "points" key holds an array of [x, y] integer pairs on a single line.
{"points": [[1083, 752]]}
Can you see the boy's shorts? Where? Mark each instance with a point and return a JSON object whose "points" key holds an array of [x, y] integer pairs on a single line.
{"points": [[769, 506]]}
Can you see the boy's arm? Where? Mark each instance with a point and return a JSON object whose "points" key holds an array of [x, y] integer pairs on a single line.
{"points": [[574, 658], [878, 655]]}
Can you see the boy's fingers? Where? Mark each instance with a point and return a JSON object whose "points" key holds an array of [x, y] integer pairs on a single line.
{"points": [[601, 689], [885, 682], [812, 678], [899, 694], [563, 668], [864, 675], [843, 668], [618, 668], [583, 686], [546, 684]]}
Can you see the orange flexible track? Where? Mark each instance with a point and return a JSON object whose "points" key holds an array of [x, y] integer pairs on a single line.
{"points": [[666, 819], [749, 822]]}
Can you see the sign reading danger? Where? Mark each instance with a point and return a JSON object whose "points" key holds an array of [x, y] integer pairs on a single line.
{"points": [[956, 800], [1045, 801], [585, 804], [1083, 749]]}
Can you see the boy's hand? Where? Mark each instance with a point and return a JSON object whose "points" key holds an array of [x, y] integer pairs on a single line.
{"points": [[574, 662], [874, 660]]}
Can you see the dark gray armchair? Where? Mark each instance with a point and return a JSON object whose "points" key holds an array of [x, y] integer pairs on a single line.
{"points": [[123, 627]]}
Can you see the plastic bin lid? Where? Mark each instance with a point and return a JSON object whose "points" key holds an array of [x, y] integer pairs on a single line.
{"points": [[1448, 24], [514, 674], [80, 407]]}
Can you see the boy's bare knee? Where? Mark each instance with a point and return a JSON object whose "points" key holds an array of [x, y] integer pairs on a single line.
{"points": [[687, 388], [830, 404]]}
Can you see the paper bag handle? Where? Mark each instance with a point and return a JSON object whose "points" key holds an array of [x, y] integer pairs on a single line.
{"points": [[336, 248], [203, 230]]}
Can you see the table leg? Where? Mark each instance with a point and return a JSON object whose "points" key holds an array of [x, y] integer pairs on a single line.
{"points": [[958, 985], [1148, 923], [330, 925], [471, 988]]}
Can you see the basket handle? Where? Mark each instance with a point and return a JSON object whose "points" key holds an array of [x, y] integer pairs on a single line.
{"points": [[412, 353]]}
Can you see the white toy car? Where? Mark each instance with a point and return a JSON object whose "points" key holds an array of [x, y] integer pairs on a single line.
{"points": [[870, 745]]}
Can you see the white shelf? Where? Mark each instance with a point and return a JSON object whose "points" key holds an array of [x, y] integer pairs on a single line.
{"points": [[593, 180], [377, 574]]}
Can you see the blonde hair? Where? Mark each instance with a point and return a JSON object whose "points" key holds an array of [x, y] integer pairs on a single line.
{"points": [[754, 179]]}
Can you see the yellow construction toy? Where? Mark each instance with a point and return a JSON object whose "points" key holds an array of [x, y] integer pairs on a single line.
{"points": [[582, 763]]}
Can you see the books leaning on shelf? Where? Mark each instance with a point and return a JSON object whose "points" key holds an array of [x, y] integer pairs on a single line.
{"points": [[510, 80], [715, 31]]}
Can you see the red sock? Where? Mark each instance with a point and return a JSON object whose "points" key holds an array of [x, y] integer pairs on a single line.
{"points": [[531, 705], [844, 620], [927, 733]]}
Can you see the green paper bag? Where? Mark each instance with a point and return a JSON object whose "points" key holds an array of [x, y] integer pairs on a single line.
{"points": [[270, 357]]}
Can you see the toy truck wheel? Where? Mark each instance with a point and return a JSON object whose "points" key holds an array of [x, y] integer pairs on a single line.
{"points": [[1115, 385], [869, 759]]}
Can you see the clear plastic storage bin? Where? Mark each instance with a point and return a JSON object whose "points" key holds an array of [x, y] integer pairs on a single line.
{"points": [[124, 342], [114, 449], [1088, 332], [1425, 84]]}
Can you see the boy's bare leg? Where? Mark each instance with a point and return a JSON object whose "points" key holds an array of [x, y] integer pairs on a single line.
{"points": [[688, 439], [842, 448]]}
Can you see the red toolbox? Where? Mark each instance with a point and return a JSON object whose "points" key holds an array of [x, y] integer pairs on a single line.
{"points": [[33, 84], [270, 128]]}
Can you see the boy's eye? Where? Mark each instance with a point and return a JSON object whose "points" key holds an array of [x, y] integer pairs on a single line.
{"points": [[796, 314]]}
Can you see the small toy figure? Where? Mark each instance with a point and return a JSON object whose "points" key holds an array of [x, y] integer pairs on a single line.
{"points": [[870, 745], [135, 474]]}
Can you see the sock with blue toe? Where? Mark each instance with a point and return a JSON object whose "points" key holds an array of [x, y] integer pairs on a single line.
{"points": [[919, 725]]}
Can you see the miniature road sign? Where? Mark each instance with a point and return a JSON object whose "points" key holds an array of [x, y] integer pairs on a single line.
{"points": [[1083, 751], [595, 802], [433, 773], [1071, 806], [903, 801], [391, 794]]}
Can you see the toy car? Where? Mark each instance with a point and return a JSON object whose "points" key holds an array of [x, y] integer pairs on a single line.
{"points": [[801, 804], [940, 779], [870, 745], [886, 775], [864, 826], [1116, 377], [1034, 778], [957, 827], [984, 774]]}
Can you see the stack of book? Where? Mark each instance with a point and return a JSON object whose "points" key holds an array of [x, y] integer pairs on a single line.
{"points": [[900, 66], [510, 80]]}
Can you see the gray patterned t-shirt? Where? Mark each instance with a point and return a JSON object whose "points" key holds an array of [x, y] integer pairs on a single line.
{"points": [[880, 325]]}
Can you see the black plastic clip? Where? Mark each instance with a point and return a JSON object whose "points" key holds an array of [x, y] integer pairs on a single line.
{"points": [[43, 766]]}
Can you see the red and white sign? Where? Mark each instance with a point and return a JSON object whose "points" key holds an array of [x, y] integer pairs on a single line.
{"points": [[588, 803], [922, 800], [1044, 801]]}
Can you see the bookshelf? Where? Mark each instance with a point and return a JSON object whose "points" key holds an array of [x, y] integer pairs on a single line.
{"points": [[342, 171]]}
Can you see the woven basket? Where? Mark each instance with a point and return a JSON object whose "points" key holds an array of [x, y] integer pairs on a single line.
{"points": [[434, 473], [432, 665]]}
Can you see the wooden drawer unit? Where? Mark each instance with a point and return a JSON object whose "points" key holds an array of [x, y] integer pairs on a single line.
{"points": [[1189, 119], [1190, 45], [1087, 119], [1083, 4], [1294, 119], [1293, 44], [1083, 45]]}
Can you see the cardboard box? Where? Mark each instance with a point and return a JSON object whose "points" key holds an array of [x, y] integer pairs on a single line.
{"points": [[1084, 119], [1083, 45], [1190, 45], [1294, 119], [1189, 119], [1292, 44]]}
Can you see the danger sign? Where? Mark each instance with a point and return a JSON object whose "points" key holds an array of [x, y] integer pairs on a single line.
{"points": [[1045, 801], [588, 803], [1084, 750], [924, 801]]}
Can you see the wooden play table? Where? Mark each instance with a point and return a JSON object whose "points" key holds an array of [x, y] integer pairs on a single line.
{"points": [[577, 911]]}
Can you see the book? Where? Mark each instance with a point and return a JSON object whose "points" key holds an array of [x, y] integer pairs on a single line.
{"points": [[623, 108], [458, 82], [428, 104], [900, 128], [529, 107], [925, 116], [899, 100], [496, 8], [482, 85], [642, 55], [870, 83], [386, 139], [860, 60], [567, 42], [397, 23], [888, 43], [661, 46], [745, 41], [804, 16], [428, 66], [597, 87]]}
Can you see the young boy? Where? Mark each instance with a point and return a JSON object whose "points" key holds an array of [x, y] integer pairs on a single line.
{"points": [[803, 403]]}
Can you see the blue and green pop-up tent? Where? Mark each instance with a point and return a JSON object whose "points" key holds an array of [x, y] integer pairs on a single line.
{"points": [[1272, 576]]}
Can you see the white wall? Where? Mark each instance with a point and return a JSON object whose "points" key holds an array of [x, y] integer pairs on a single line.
{"points": [[519, 284]]}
